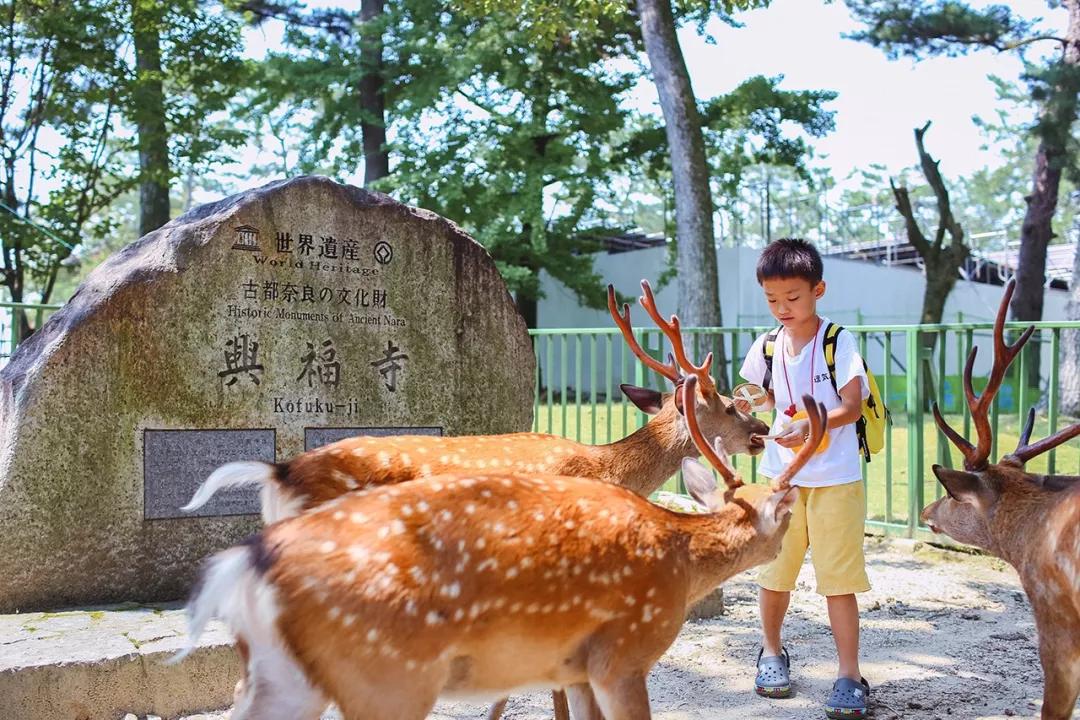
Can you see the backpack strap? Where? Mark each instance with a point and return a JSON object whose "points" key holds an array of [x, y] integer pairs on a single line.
{"points": [[768, 349], [828, 346]]}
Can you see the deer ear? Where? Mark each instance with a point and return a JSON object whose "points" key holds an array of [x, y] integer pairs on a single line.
{"points": [[647, 401], [961, 486], [700, 482], [781, 504]]}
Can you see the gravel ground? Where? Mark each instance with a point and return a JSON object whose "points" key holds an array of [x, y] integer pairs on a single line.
{"points": [[945, 635]]}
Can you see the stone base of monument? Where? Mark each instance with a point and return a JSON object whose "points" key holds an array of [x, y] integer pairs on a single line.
{"points": [[108, 661], [710, 606]]}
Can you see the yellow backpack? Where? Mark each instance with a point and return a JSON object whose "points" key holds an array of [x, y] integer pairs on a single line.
{"points": [[870, 428]]}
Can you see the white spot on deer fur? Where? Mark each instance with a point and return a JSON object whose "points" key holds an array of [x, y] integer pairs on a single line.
{"points": [[358, 517], [539, 517], [499, 528], [488, 564], [372, 635], [576, 600], [422, 506], [627, 571], [452, 590], [459, 615], [384, 532], [506, 483], [410, 607], [633, 626], [383, 458], [437, 487], [405, 459], [474, 611], [348, 620], [359, 553], [629, 599], [328, 547], [446, 515], [564, 607], [511, 573], [345, 479], [499, 603], [410, 664], [647, 613], [470, 508], [532, 608], [417, 574], [651, 592], [480, 543], [432, 618], [526, 562], [397, 527], [444, 459], [339, 515], [512, 504], [334, 613], [406, 510]]}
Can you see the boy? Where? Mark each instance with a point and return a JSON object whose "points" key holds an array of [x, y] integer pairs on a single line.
{"points": [[829, 516]]}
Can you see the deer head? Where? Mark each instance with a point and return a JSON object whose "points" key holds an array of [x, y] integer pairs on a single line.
{"points": [[719, 417], [985, 492]]}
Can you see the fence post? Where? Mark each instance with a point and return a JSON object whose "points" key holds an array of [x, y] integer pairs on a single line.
{"points": [[915, 430]]}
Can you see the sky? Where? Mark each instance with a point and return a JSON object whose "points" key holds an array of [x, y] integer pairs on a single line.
{"points": [[880, 101]]}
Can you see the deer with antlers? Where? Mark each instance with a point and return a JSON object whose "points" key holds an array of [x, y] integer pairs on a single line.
{"points": [[642, 461], [1030, 520], [456, 585]]}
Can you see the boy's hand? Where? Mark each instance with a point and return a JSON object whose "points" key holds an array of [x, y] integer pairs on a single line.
{"points": [[742, 405], [794, 434]]}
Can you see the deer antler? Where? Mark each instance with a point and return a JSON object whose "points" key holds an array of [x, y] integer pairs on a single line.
{"points": [[718, 458], [816, 414], [670, 371], [975, 456], [673, 333], [1025, 451]]}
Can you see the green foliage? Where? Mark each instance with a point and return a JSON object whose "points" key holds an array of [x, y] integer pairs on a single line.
{"points": [[945, 27]]}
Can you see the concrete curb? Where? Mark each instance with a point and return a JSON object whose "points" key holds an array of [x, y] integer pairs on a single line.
{"points": [[102, 663]]}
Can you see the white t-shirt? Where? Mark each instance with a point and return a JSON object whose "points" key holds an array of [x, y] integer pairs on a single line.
{"points": [[838, 464]]}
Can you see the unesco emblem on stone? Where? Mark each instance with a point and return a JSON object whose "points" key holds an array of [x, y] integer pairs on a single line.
{"points": [[383, 252], [247, 238]]}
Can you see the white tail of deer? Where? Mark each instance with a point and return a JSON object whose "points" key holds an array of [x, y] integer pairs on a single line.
{"points": [[641, 462], [1032, 521], [384, 601]]}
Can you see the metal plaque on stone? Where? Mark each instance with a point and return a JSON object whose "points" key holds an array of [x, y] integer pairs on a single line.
{"points": [[176, 462]]}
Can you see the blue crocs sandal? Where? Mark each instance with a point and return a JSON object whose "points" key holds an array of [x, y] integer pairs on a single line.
{"points": [[773, 675], [848, 699]]}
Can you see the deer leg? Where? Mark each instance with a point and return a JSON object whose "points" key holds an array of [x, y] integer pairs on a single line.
{"points": [[496, 710], [1061, 678], [274, 688], [562, 710], [582, 703], [623, 698]]}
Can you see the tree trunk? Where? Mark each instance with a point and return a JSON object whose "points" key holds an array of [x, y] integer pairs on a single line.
{"points": [[699, 296], [372, 100], [1037, 230], [1069, 372], [148, 103]]}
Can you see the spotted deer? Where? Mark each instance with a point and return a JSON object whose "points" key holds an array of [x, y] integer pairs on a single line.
{"points": [[482, 585], [641, 462], [1030, 520]]}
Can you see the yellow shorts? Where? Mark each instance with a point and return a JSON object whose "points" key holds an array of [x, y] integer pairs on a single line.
{"points": [[830, 521]]}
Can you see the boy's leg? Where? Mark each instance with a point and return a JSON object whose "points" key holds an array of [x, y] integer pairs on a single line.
{"points": [[844, 620], [836, 517], [772, 605]]}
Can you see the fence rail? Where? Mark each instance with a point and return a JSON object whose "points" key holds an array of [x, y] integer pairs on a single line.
{"points": [[578, 372], [577, 396]]}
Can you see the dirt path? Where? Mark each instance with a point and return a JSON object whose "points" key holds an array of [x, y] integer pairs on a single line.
{"points": [[945, 635]]}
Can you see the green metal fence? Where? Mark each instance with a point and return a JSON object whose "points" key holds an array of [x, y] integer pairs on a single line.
{"points": [[12, 328], [579, 371]]}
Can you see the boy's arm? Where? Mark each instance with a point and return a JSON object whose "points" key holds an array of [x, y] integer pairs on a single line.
{"points": [[849, 411]]}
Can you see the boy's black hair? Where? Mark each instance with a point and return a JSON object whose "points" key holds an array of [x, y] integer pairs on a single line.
{"points": [[790, 258]]}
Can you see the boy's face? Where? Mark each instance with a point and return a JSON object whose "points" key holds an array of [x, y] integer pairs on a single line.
{"points": [[792, 301]]}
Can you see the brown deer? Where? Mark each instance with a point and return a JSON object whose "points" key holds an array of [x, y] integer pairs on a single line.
{"points": [[1032, 521], [642, 462], [464, 585]]}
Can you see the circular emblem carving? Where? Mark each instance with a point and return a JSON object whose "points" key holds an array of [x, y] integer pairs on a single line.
{"points": [[383, 252]]}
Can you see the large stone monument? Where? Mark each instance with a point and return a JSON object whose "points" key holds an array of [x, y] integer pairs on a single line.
{"points": [[272, 321]]}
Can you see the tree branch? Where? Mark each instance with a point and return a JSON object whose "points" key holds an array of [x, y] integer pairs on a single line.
{"points": [[946, 221], [903, 206]]}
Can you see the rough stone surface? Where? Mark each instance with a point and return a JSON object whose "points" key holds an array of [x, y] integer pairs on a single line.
{"points": [[101, 662], [208, 324]]}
